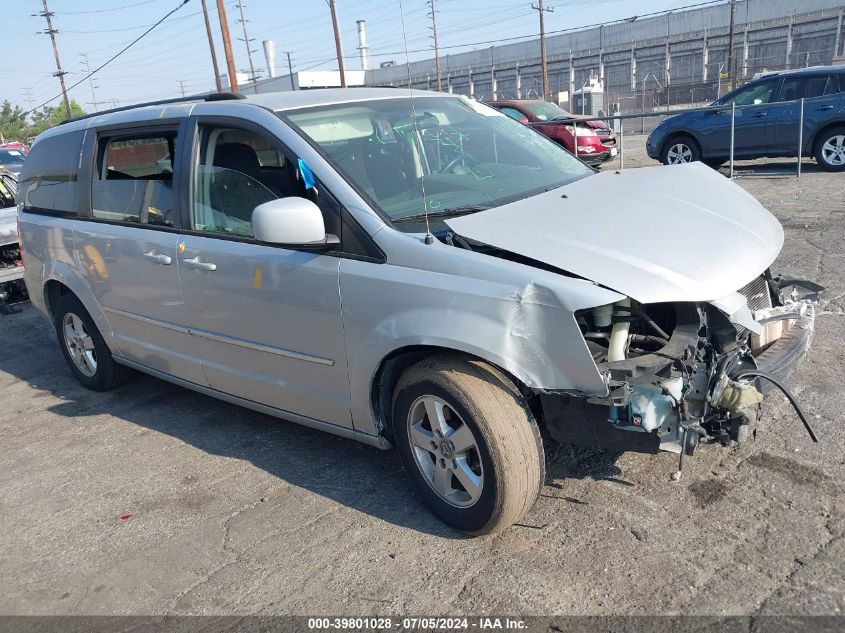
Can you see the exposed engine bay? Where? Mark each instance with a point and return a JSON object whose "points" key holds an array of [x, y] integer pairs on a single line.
{"points": [[679, 373], [684, 373]]}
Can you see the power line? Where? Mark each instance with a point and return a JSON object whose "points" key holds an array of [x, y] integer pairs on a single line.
{"points": [[106, 63], [126, 6]]}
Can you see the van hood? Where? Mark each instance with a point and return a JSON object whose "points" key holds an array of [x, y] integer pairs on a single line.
{"points": [[677, 233]]}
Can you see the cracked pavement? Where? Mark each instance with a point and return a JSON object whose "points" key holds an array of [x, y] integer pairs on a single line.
{"points": [[233, 512]]}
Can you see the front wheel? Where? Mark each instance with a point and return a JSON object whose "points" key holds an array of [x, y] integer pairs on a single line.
{"points": [[830, 150], [468, 442], [680, 150]]}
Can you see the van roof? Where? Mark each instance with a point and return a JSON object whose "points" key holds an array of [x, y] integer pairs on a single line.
{"points": [[276, 101]]}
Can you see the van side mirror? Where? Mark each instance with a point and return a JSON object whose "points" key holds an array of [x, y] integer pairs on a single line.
{"points": [[291, 222]]}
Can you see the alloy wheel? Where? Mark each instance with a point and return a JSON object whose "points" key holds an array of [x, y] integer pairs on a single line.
{"points": [[79, 344], [445, 451], [833, 150], [679, 153]]}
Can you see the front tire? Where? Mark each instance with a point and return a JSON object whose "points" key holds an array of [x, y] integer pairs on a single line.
{"points": [[83, 347], [830, 150], [680, 150], [469, 443]]}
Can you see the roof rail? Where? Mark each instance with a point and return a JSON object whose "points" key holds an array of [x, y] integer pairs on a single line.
{"points": [[209, 96]]}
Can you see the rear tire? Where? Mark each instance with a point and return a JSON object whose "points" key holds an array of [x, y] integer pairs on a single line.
{"points": [[679, 150], [830, 150], [479, 465], [83, 347]]}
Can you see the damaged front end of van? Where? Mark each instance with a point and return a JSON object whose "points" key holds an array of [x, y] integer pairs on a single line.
{"points": [[686, 356]]}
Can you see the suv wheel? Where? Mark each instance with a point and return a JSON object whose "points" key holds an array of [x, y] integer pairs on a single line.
{"points": [[468, 442], [680, 150], [83, 347], [830, 150]]}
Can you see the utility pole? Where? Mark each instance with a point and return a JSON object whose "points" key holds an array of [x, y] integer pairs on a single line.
{"points": [[433, 28], [59, 72], [336, 45], [211, 47], [227, 47], [252, 76], [731, 46], [87, 67], [27, 95], [181, 86], [542, 10], [290, 71]]}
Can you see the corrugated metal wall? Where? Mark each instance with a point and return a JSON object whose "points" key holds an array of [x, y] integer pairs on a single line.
{"points": [[573, 56]]}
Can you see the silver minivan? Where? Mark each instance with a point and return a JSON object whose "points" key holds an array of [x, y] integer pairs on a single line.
{"points": [[410, 269]]}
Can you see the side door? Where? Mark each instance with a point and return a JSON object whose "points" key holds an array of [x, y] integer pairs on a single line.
{"points": [[750, 127], [821, 105], [126, 246], [266, 319]]}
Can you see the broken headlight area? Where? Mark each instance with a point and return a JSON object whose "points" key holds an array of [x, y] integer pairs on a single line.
{"points": [[682, 373]]}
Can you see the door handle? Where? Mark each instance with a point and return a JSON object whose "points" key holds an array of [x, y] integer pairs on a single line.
{"points": [[825, 107], [164, 260], [195, 262], [759, 115]]}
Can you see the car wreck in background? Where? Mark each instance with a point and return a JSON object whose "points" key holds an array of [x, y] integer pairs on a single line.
{"points": [[413, 269], [590, 140], [11, 266]]}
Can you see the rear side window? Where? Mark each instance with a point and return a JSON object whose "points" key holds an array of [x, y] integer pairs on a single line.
{"points": [[134, 180], [49, 174]]}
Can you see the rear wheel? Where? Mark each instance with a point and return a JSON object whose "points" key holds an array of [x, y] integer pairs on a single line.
{"points": [[830, 150], [680, 150], [468, 442], [83, 346]]}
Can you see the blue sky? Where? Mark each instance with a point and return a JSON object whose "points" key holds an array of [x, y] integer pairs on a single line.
{"points": [[178, 48]]}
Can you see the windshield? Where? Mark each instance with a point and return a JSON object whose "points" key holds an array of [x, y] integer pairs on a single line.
{"points": [[455, 156], [546, 111], [9, 156]]}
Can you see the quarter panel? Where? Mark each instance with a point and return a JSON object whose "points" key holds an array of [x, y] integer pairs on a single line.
{"points": [[523, 322], [48, 247]]}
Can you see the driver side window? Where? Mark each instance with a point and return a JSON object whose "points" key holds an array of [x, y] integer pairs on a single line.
{"points": [[237, 170], [756, 94]]}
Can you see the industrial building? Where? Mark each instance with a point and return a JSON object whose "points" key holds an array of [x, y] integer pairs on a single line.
{"points": [[641, 63]]}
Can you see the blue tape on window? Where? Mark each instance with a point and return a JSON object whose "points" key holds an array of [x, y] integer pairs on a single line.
{"points": [[307, 176]]}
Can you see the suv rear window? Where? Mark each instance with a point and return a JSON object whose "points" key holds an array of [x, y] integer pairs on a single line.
{"points": [[48, 176], [134, 180]]}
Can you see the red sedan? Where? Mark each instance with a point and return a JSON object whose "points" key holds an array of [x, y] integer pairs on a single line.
{"points": [[596, 141]]}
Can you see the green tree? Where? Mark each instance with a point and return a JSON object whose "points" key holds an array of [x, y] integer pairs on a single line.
{"points": [[50, 116], [13, 124], [16, 125]]}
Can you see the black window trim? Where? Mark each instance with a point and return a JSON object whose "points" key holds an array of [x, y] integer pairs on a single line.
{"points": [[190, 157], [91, 148]]}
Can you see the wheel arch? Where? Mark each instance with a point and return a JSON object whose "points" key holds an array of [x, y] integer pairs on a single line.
{"points": [[59, 280], [681, 133], [392, 366], [53, 291], [818, 134]]}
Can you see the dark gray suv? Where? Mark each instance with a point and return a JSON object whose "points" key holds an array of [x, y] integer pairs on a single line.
{"points": [[767, 116]]}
